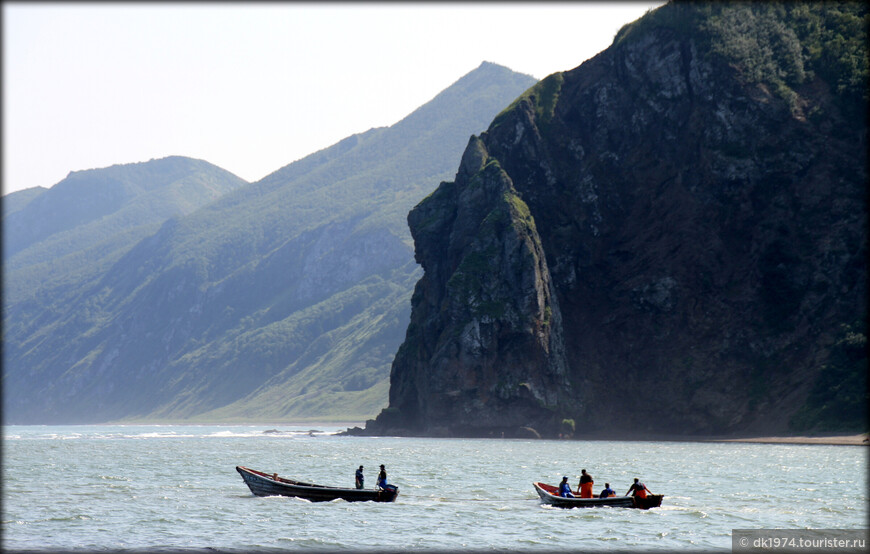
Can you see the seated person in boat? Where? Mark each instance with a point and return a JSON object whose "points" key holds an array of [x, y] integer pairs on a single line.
{"points": [[565, 488], [382, 480], [585, 486], [607, 492], [638, 489], [360, 478]]}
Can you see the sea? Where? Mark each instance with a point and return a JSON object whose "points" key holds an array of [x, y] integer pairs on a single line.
{"points": [[175, 488]]}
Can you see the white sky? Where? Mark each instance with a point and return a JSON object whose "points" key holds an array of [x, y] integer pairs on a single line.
{"points": [[253, 87]]}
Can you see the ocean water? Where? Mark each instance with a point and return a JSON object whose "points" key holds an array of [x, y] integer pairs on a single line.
{"points": [[175, 487]]}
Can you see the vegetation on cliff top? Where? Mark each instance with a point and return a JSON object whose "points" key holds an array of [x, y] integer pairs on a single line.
{"points": [[777, 44], [543, 96]]}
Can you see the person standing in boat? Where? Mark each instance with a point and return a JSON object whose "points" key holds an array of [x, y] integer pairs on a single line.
{"points": [[565, 488], [638, 489], [360, 478], [607, 492], [585, 486]]}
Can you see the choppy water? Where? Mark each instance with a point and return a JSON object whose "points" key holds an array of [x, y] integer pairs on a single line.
{"points": [[175, 487]]}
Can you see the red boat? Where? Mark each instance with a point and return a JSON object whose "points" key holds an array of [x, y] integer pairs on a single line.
{"points": [[550, 495]]}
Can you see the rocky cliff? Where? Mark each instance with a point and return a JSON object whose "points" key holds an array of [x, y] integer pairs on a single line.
{"points": [[670, 238]]}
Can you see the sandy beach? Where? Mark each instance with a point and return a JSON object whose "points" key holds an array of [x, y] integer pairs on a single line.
{"points": [[845, 440], [855, 440]]}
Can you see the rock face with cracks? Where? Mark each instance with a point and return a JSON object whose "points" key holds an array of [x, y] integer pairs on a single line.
{"points": [[650, 243]]}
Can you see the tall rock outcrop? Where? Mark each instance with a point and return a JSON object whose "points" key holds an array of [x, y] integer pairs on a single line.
{"points": [[484, 346], [670, 238]]}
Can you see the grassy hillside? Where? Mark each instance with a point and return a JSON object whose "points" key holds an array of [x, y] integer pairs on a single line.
{"points": [[15, 201], [285, 299], [63, 236]]}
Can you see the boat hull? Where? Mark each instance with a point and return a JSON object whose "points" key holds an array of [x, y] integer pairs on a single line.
{"points": [[548, 496], [265, 484]]}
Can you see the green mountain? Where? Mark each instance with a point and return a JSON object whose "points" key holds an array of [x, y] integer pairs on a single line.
{"points": [[283, 300], [670, 239], [14, 201], [64, 236]]}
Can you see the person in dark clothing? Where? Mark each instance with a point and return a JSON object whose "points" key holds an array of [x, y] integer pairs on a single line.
{"points": [[607, 492], [565, 488], [360, 478], [638, 489]]}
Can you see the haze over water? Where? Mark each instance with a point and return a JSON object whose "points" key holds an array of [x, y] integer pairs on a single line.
{"points": [[175, 487]]}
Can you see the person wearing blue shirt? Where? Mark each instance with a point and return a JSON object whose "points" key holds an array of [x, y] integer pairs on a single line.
{"points": [[565, 488], [360, 478], [607, 492], [382, 480]]}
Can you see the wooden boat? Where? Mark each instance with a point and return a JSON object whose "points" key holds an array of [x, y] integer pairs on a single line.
{"points": [[266, 484], [550, 495]]}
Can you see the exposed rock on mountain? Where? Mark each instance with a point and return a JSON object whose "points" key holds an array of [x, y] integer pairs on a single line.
{"points": [[668, 239]]}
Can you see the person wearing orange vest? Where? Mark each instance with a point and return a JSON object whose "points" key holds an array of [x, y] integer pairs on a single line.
{"points": [[585, 486], [639, 489]]}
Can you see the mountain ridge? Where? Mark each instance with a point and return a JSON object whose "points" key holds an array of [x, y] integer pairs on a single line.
{"points": [[105, 209]]}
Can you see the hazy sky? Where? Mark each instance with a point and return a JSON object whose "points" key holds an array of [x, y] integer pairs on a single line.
{"points": [[254, 87]]}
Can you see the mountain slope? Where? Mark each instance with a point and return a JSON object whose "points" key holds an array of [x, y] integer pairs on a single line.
{"points": [[668, 239], [273, 302], [83, 224], [15, 201]]}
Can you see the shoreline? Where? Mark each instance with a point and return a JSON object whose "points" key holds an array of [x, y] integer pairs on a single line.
{"points": [[859, 439], [835, 440]]}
